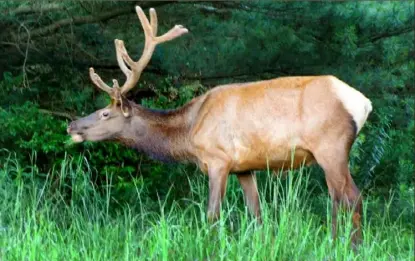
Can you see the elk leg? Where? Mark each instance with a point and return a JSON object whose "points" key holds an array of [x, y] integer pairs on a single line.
{"points": [[249, 186], [218, 177], [345, 194], [342, 189]]}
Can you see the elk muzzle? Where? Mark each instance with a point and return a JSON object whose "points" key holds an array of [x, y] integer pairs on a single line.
{"points": [[77, 129], [76, 134]]}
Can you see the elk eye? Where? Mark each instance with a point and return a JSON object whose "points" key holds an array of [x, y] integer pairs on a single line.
{"points": [[105, 114]]}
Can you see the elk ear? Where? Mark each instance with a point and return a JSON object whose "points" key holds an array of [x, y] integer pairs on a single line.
{"points": [[125, 111], [125, 107]]}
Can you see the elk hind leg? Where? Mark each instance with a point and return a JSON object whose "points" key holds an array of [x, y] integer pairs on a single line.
{"points": [[343, 191]]}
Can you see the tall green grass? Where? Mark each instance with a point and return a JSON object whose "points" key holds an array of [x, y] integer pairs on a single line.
{"points": [[61, 215]]}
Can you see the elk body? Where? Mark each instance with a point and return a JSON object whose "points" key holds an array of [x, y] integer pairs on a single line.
{"points": [[238, 128]]}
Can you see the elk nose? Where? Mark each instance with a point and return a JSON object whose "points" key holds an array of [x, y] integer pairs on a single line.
{"points": [[71, 127]]}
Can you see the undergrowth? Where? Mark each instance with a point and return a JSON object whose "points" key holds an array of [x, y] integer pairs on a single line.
{"points": [[63, 216]]}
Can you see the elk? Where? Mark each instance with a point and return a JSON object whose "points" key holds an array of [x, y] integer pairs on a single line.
{"points": [[238, 128]]}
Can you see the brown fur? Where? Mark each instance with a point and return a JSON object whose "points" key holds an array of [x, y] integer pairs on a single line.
{"points": [[279, 123], [245, 127]]}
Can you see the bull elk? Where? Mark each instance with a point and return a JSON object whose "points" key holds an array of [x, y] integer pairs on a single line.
{"points": [[238, 128]]}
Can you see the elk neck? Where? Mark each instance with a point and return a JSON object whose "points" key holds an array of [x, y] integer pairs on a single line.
{"points": [[161, 134]]}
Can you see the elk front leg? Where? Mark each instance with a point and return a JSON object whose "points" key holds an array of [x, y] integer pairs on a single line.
{"points": [[218, 177], [249, 186]]}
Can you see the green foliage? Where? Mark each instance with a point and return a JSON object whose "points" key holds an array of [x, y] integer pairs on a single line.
{"points": [[382, 156], [171, 97], [33, 130], [369, 45], [28, 129], [38, 221]]}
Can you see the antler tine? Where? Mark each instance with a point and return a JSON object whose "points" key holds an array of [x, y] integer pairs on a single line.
{"points": [[175, 32], [99, 82], [153, 21], [115, 83], [120, 50], [148, 31]]}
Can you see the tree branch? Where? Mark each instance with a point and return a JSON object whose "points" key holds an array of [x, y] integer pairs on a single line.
{"points": [[397, 32], [273, 13], [89, 19], [238, 75], [21, 10], [78, 20], [60, 114]]}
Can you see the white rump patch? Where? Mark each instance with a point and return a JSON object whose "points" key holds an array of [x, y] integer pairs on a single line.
{"points": [[354, 102], [77, 138]]}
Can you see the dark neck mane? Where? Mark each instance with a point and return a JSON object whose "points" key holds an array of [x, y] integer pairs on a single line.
{"points": [[166, 133], [158, 115]]}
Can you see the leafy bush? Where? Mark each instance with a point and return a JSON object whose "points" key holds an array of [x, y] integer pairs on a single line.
{"points": [[382, 156], [31, 129]]}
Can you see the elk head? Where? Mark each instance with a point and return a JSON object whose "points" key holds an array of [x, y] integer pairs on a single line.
{"points": [[110, 121]]}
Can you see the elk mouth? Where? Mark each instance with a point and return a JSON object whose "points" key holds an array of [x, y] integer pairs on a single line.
{"points": [[76, 136], [79, 136]]}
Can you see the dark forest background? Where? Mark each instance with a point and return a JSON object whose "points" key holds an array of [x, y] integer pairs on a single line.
{"points": [[46, 48]]}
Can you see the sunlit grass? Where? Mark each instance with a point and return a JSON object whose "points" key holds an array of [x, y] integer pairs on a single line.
{"points": [[51, 220]]}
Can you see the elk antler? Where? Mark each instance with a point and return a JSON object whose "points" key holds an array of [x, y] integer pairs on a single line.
{"points": [[133, 74]]}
